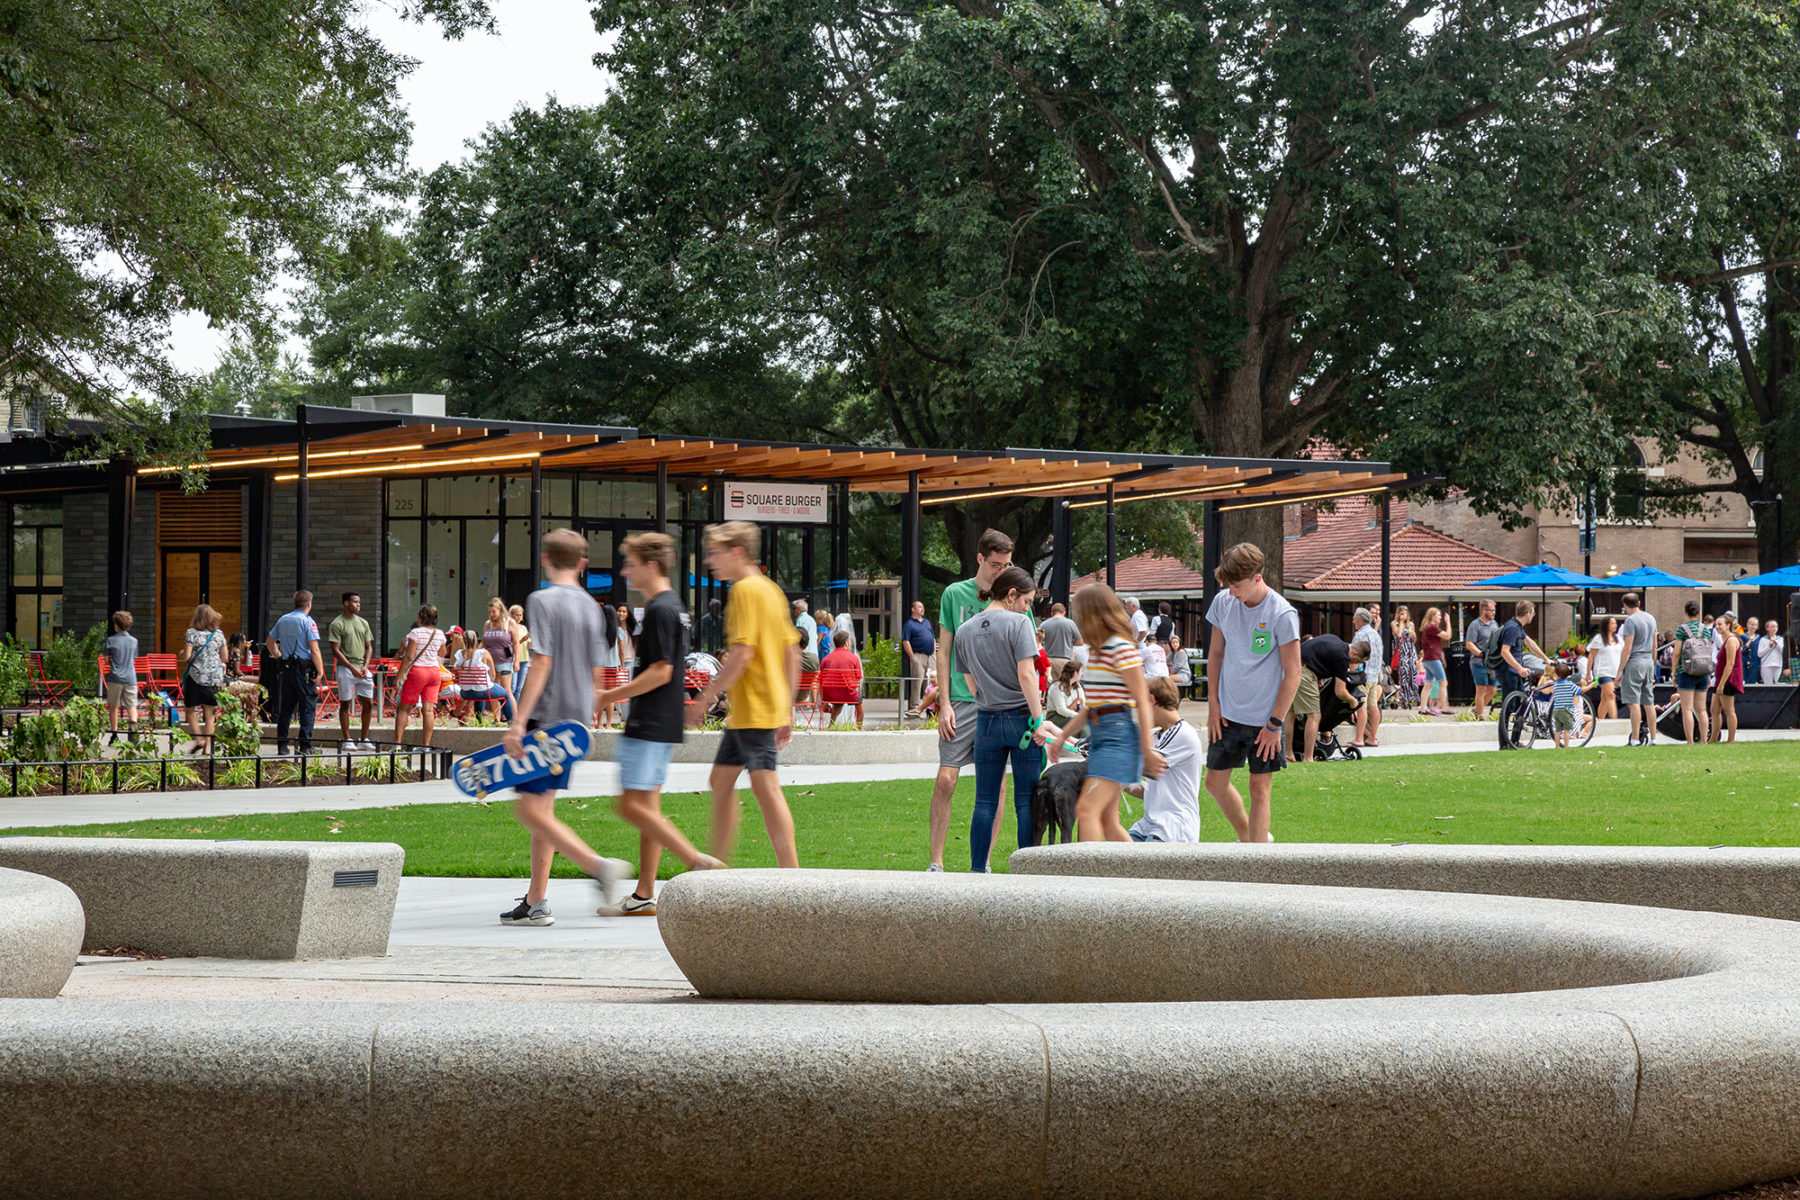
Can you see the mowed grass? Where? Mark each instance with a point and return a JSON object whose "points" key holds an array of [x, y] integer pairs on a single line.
{"points": [[1747, 795]]}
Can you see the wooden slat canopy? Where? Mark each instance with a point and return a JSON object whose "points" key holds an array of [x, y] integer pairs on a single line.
{"points": [[343, 445]]}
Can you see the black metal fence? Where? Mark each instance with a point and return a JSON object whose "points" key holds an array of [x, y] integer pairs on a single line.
{"points": [[56, 777]]}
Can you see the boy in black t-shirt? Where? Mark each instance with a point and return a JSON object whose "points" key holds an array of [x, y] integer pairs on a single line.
{"points": [[654, 724]]}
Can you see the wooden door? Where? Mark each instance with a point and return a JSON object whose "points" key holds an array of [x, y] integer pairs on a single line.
{"points": [[181, 591], [225, 589]]}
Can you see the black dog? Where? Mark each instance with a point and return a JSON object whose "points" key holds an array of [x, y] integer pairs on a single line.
{"points": [[1053, 800]]}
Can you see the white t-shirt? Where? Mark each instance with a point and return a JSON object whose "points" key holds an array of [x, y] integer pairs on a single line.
{"points": [[1156, 661], [1140, 624], [1604, 659], [1172, 799]]}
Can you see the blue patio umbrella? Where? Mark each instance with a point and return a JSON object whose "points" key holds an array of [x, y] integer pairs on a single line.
{"points": [[1542, 576], [1639, 578], [1788, 577]]}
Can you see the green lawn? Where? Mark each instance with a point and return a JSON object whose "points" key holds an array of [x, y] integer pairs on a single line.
{"points": [[1744, 795]]}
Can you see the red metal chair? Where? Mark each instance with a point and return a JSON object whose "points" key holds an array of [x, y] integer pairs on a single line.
{"points": [[838, 685], [806, 696], [42, 691]]}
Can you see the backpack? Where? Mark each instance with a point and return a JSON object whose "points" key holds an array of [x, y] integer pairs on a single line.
{"points": [[1490, 649], [1696, 654]]}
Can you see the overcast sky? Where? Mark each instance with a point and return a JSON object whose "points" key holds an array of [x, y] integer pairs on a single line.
{"points": [[544, 48]]}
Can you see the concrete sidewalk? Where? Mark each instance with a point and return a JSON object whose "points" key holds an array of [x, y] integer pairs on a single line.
{"points": [[447, 944]]}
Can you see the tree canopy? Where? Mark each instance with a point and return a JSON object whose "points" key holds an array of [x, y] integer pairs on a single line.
{"points": [[163, 156]]}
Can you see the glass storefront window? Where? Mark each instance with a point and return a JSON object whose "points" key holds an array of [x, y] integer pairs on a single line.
{"points": [[404, 498], [443, 552], [50, 545], [518, 545], [558, 497], [404, 575], [35, 592], [481, 569], [473, 496], [24, 557]]}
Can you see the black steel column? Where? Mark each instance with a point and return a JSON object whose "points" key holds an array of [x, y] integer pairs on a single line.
{"points": [[1387, 563], [1212, 535], [1112, 541], [121, 503], [840, 543], [302, 502], [1062, 550], [662, 496], [909, 544], [537, 524], [256, 574]]}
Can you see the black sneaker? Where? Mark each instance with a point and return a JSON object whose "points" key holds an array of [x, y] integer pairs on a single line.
{"points": [[527, 913]]}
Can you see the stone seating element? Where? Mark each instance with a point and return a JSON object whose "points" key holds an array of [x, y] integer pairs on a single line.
{"points": [[40, 934], [234, 899], [1757, 882]]}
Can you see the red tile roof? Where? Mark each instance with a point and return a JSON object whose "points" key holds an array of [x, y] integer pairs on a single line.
{"points": [[1342, 554]]}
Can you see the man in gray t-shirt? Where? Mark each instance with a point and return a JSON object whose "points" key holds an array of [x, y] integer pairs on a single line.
{"points": [[997, 641], [1059, 638], [1475, 636], [1637, 671]]}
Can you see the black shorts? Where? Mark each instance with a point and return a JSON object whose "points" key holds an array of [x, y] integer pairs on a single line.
{"points": [[751, 749], [1236, 746], [195, 692]]}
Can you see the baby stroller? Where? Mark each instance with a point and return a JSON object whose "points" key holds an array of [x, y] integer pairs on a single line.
{"points": [[1333, 711]]}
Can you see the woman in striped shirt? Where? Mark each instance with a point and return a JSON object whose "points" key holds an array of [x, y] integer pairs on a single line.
{"points": [[1119, 746], [473, 667]]}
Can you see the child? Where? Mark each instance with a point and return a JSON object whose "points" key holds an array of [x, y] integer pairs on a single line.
{"points": [[570, 637], [1559, 684], [1119, 745], [1255, 673], [1171, 801], [121, 674]]}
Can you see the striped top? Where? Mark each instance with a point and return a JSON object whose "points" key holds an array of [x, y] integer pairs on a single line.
{"points": [[1564, 695], [1103, 679], [471, 670]]}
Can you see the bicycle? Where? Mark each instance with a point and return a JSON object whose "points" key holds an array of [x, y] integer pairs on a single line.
{"points": [[1528, 717]]}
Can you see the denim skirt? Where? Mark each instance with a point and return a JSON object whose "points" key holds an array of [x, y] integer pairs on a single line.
{"points": [[1113, 749]]}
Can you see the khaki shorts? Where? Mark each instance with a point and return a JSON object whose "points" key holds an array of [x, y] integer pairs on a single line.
{"points": [[959, 751], [1306, 700], [120, 693]]}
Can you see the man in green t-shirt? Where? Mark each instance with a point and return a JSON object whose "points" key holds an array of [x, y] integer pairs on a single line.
{"points": [[350, 636], [956, 706]]}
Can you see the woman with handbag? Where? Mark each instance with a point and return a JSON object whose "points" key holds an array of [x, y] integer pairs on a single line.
{"points": [[203, 653]]}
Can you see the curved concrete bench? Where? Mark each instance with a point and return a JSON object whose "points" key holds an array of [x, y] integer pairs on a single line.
{"points": [[1651, 1053], [231, 899], [1242, 1039], [1756, 882], [40, 934]]}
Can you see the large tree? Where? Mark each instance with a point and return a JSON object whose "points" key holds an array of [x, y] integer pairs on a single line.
{"points": [[1227, 226], [161, 156]]}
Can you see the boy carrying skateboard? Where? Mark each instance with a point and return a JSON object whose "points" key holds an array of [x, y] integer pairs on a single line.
{"points": [[567, 647]]}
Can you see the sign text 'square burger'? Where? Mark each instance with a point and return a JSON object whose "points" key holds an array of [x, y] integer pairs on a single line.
{"points": [[778, 501]]}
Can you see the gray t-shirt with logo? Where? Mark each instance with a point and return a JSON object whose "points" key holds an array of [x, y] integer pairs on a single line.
{"points": [[989, 647], [1059, 637], [1251, 678], [1640, 627], [567, 628]]}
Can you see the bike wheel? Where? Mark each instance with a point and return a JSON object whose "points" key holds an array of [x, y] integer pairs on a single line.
{"points": [[1585, 722], [1352, 753], [1512, 716], [1537, 721]]}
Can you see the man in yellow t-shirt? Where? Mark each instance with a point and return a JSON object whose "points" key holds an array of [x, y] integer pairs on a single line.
{"points": [[759, 674]]}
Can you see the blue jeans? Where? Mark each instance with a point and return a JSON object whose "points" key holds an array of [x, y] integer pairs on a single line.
{"points": [[997, 737], [518, 678], [494, 692]]}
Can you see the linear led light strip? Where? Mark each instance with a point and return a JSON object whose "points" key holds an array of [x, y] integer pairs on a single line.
{"points": [[280, 458], [1303, 499], [1128, 499], [1018, 491], [517, 456]]}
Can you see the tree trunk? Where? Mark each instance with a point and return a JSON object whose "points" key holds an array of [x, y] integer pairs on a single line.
{"points": [[1232, 427]]}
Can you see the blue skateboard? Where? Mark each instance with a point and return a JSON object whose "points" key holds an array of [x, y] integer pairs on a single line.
{"points": [[550, 752]]}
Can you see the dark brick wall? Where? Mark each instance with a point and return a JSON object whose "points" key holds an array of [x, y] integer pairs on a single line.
{"points": [[344, 546], [84, 561]]}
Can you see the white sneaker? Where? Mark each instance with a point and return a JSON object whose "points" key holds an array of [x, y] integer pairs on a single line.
{"points": [[935, 868], [609, 875]]}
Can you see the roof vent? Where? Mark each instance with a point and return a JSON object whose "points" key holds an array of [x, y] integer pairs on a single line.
{"points": [[422, 404]]}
